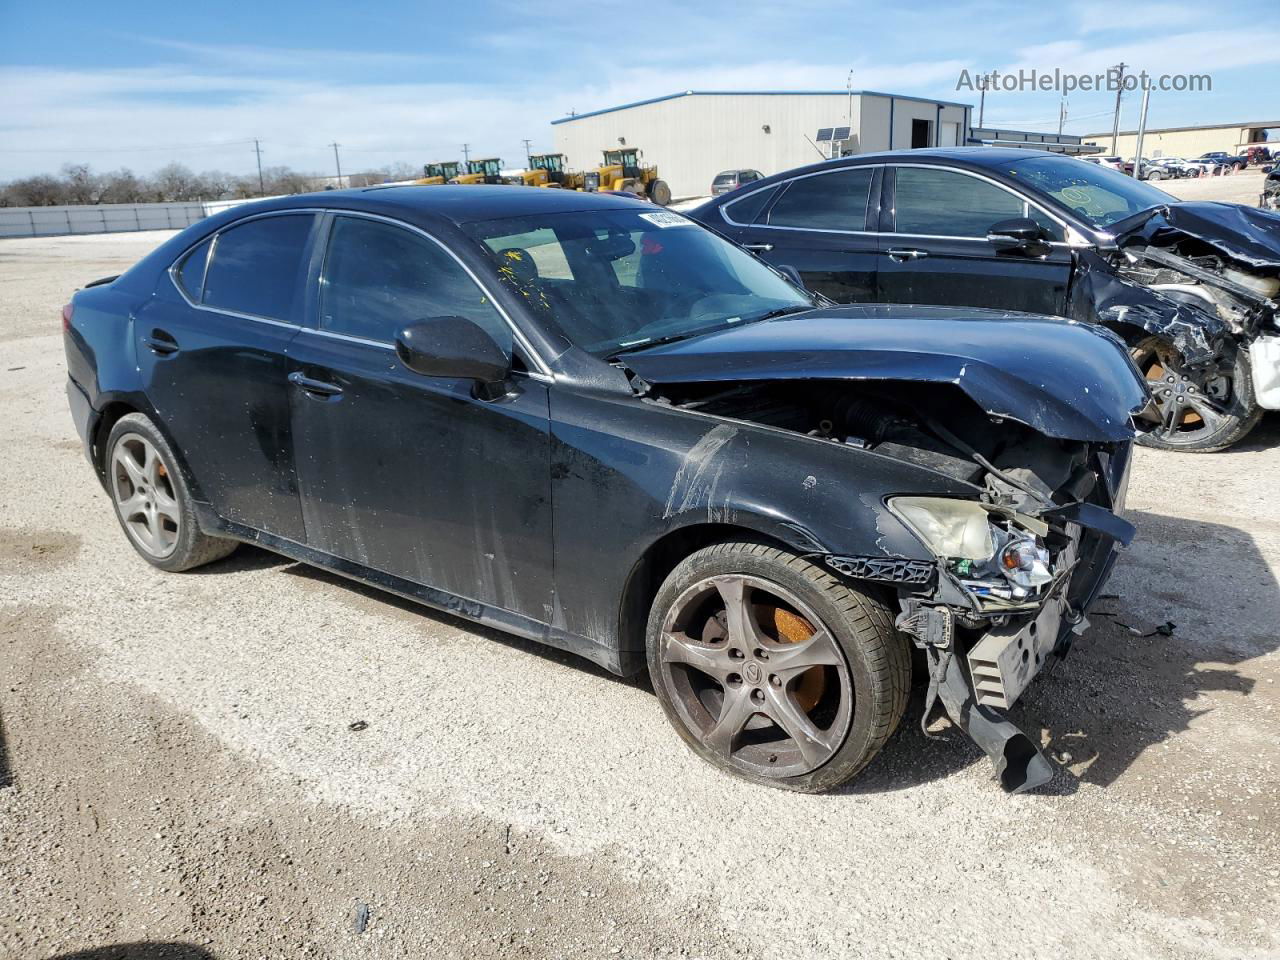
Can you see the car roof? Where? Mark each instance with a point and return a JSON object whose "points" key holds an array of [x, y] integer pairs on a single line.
{"points": [[459, 203]]}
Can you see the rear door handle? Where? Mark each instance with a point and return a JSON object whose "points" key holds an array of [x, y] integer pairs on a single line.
{"points": [[758, 247], [161, 343], [902, 254], [319, 388]]}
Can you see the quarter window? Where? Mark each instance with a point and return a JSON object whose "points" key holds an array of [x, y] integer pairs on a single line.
{"points": [[380, 278], [748, 208], [828, 201], [191, 271], [943, 203], [256, 266]]}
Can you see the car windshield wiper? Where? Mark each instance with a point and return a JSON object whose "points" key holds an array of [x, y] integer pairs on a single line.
{"points": [[782, 312]]}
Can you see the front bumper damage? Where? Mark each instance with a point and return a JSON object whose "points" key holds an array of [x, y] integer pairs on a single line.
{"points": [[978, 670]]}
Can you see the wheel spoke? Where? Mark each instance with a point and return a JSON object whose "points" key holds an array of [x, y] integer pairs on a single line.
{"points": [[782, 709], [133, 506], [735, 711], [1210, 413], [679, 648], [819, 650], [740, 612], [125, 458]]}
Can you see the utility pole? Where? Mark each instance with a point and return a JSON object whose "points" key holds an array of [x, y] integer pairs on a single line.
{"points": [[1142, 129], [982, 100], [1062, 115], [466, 154], [849, 111], [257, 148], [528, 156], [1115, 126], [337, 163]]}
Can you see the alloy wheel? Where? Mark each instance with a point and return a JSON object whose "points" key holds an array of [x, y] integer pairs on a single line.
{"points": [[1186, 407], [144, 495], [756, 676]]}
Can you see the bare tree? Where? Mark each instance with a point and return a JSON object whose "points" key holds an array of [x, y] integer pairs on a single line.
{"points": [[38, 191], [82, 184], [122, 186], [174, 181]]}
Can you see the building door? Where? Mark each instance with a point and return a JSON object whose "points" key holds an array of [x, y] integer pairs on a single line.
{"points": [[921, 134]]}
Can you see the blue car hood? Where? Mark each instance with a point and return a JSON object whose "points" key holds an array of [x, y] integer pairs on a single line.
{"points": [[1059, 377]]}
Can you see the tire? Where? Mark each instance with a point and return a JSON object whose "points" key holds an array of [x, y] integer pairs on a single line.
{"points": [[659, 192], [1155, 175], [151, 499], [829, 662], [1210, 416]]}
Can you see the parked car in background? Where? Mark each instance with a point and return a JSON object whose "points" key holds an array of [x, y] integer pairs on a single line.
{"points": [[1179, 166], [443, 393], [1191, 287], [1255, 156], [1270, 199], [1221, 156], [733, 179], [1115, 163], [1170, 168]]}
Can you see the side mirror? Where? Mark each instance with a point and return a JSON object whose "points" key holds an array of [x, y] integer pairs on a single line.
{"points": [[1020, 234], [791, 273], [453, 347]]}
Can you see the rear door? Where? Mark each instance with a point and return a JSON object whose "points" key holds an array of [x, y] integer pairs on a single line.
{"points": [[212, 348], [822, 224], [418, 477], [934, 248]]}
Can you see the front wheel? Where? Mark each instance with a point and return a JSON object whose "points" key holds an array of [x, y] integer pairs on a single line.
{"points": [[772, 669], [1193, 411], [659, 192]]}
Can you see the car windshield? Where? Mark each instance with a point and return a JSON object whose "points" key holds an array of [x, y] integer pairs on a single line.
{"points": [[615, 280], [1100, 195]]}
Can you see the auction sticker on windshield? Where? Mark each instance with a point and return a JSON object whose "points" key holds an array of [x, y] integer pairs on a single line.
{"points": [[666, 219]]}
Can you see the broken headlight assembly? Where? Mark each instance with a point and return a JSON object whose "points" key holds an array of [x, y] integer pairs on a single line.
{"points": [[997, 555]]}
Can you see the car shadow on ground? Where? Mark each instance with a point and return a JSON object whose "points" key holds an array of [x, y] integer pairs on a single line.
{"points": [[140, 951]]}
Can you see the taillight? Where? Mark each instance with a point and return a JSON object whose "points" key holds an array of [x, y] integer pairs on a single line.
{"points": [[66, 317]]}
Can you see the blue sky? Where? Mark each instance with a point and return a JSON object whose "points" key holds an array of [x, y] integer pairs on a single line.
{"points": [[140, 84]]}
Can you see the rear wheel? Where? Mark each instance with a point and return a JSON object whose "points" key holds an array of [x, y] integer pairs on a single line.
{"points": [[773, 670], [152, 501], [1193, 411], [659, 192]]}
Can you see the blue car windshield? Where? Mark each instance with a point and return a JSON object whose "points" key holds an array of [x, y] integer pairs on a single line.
{"points": [[1099, 195], [618, 280]]}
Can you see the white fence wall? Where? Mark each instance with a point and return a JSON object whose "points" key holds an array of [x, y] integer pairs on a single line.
{"points": [[106, 217]]}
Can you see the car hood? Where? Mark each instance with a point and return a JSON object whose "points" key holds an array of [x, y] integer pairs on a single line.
{"points": [[1249, 235], [1059, 377]]}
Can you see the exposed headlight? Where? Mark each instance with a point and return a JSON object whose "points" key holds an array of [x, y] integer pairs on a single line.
{"points": [[996, 555], [953, 529]]}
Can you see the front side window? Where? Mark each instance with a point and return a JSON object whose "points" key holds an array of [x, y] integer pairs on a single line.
{"points": [[828, 201], [613, 280], [256, 266], [379, 278], [943, 203]]}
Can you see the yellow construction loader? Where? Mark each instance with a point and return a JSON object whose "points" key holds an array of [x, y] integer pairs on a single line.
{"points": [[547, 170], [436, 173], [488, 170], [622, 171]]}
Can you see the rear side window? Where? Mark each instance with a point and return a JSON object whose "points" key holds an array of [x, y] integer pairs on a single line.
{"points": [[380, 278], [256, 266], [828, 201], [748, 208], [191, 270]]}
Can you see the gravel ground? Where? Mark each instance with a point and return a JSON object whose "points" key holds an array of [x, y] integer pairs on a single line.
{"points": [[177, 765]]}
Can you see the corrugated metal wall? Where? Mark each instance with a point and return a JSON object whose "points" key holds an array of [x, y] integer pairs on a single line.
{"points": [[105, 217]]}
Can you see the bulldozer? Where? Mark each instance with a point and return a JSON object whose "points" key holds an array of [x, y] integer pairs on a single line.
{"points": [[547, 170], [622, 171], [488, 170], [436, 173]]}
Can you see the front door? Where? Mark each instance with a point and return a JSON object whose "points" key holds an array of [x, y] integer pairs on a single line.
{"points": [[818, 223], [415, 476], [212, 346], [934, 248]]}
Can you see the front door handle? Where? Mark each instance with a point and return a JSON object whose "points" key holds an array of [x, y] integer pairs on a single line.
{"points": [[758, 247], [319, 388], [902, 254], [161, 343]]}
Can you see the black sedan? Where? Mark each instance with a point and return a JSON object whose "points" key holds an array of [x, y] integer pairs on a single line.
{"points": [[1191, 287], [600, 426]]}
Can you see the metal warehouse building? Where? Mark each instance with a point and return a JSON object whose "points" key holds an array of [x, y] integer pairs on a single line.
{"points": [[692, 136], [1190, 142]]}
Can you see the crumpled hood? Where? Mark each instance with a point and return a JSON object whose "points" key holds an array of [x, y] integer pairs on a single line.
{"points": [[1250, 235], [1062, 378]]}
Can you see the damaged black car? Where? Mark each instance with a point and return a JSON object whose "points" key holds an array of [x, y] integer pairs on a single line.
{"points": [[604, 428], [1190, 287]]}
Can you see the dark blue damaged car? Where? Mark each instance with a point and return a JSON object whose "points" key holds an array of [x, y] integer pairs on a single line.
{"points": [[601, 426]]}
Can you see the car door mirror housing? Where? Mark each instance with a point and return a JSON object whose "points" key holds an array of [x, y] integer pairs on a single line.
{"points": [[453, 347], [1019, 233]]}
